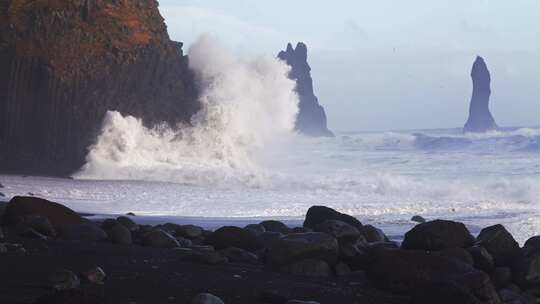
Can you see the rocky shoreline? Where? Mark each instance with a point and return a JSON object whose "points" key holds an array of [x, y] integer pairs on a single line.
{"points": [[51, 254]]}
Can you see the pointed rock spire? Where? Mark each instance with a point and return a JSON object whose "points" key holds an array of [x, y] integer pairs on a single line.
{"points": [[311, 119], [480, 118]]}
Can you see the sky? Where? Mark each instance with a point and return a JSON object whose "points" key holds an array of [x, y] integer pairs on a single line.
{"points": [[387, 64]]}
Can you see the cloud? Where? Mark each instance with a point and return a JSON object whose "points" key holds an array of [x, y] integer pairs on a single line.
{"points": [[186, 24]]}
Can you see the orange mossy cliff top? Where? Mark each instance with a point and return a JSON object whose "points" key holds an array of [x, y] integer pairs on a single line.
{"points": [[68, 33]]}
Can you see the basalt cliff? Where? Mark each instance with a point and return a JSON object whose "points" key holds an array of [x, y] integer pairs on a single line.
{"points": [[63, 64], [480, 118], [311, 119]]}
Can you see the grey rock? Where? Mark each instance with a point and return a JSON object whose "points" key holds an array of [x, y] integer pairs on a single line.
{"points": [[128, 223], [158, 238], [295, 247], [500, 244], [373, 235], [206, 298], [184, 242], [86, 231], [120, 234], [237, 255]]}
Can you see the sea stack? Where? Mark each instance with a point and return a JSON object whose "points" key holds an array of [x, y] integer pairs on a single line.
{"points": [[311, 119], [480, 118], [65, 63]]}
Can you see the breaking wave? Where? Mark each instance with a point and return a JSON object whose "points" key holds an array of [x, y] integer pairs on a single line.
{"points": [[246, 107]]}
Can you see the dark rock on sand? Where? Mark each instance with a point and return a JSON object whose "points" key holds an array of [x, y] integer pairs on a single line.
{"points": [[311, 119], [86, 231], [413, 272], [500, 244], [230, 236], [65, 63], [418, 219], [308, 268], [482, 259], [58, 215], [275, 226], [480, 118], [206, 298], [338, 229], [438, 235], [237, 255], [158, 238], [128, 223], [300, 246], [318, 214], [373, 234], [120, 234]]}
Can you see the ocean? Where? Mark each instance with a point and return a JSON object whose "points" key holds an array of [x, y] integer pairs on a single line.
{"points": [[383, 178]]}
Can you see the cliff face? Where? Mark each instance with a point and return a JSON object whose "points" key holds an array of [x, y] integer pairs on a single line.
{"points": [[311, 118], [480, 118], [65, 63]]}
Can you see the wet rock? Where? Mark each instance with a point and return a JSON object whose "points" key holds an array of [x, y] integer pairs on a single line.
{"points": [[414, 272], [128, 223], [342, 269], [318, 214], [373, 234], [482, 259], [189, 231], [64, 279], [501, 277], [38, 223], [229, 236], [295, 247], [86, 231], [237, 255], [459, 254], [158, 238], [418, 219], [438, 235], [120, 234], [206, 298], [338, 229], [95, 275], [256, 229], [58, 215], [275, 226], [184, 242], [308, 268], [500, 244]]}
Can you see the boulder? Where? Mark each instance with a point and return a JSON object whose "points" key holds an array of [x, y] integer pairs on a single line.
{"points": [[418, 219], [237, 255], [58, 215], [308, 268], [373, 235], [86, 231], [501, 277], [229, 236], [413, 272], [300, 246], [206, 298], [500, 244], [275, 226], [183, 242], [532, 246], [459, 254], [526, 271], [120, 234], [301, 302], [128, 223], [158, 238], [189, 231], [482, 259], [338, 229], [38, 223], [318, 214], [438, 235], [209, 257], [257, 229]]}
